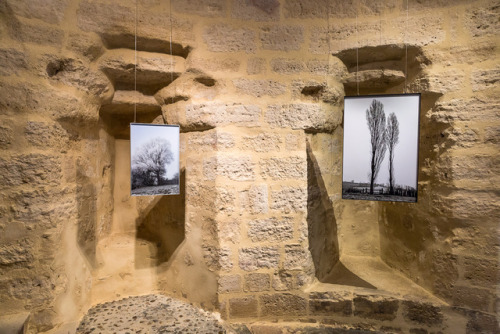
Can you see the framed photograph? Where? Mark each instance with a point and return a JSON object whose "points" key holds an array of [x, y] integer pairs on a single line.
{"points": [[380, 153], [154, 159]]}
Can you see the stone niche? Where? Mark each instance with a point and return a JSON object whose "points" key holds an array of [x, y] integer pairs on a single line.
{"points": [[259, 232]]}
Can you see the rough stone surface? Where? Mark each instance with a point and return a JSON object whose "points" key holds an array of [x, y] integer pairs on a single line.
{"points": [[151, 314], [256, 10], [287, 66], [255, 200], [304, 116], [284, 168], [263, 142], [229, 283], [12, 61], [283, 38], [289, 199], [254, 258], [224, 38], [237, 169], [256, 66], [259, 88], [212, 114], [212, 8], [283, 304], [256, 282], [245, 307], [296, 257], [422, 313], [30, 169], [375, 307], [271, 229]]}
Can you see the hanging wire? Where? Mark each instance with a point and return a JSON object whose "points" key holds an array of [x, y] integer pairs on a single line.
{"points": [[135, 64], [357, 50], [171, 53], [406, 50]]}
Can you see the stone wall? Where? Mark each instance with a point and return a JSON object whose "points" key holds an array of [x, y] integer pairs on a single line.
{"points": [[259, 231]]}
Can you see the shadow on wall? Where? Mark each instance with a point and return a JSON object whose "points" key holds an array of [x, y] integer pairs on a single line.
{"points": [[162, 226], [322, 227]]}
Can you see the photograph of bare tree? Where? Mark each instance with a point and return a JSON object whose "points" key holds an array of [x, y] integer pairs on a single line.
{"points": [[154, 163], [380, 156]]}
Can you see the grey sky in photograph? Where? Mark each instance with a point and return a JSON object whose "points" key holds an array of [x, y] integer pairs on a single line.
{"points": [[356, 164], [141, 134]]}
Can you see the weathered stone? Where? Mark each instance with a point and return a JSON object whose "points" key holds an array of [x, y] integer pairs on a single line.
{"points": [[485, 79], [282, 38], [289, 199], [463, 137], [374, 78], [86, 44], [245, 307], [375, 307], [287, 66], [483, 21], [259, 88], [229, 283], [17, 253], [483, 272], [213, 64], [51, 11], [12, 61], [255, 199], [33, 169], [224, 201], [213, 114], [492, 134], [256, 282], [217, 258], [297, 257], [294, 167], [263, 142], [481, 323], [225, 38], [234, 168], [42, 134], [229, 232], [256, 10], [422, 313], [294, 142], [282, 281], [38, 34], [471, 297], [258, 257], [339, 8], [212, 8], [200, 196], [309, 117], [256, 66], [475, 109], [271, 229], [283, 304], [6, 134], [306, 9], [470, 204], [319, 40], [330, 303]]}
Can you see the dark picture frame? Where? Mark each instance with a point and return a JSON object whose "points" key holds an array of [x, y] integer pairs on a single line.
{"points": [[154, 159], [380, 147]]}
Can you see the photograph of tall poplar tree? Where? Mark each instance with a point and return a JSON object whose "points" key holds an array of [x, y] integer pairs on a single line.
{"points": [[364, 176]]}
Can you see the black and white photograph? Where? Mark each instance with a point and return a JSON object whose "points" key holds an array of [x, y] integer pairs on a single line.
{"points": [[154, 162], [380, 154]]}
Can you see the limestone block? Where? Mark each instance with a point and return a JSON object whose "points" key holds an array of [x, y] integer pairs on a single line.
{"points": [[297, 258], [234, 168], [200, 196], [462, 137], [439, 82], [217, 258], [283, 304], [213, 114], [211, 8], [43, 135], [338, 8], [229, 232], [383, 78], [263, 142], [282, 37], [224, 200], [41, 34], [270, 229], [289, 199], [482, 272], [470, 204], [35, 290], [319, 39], [294, 142], [485, 79], [483, 20], [468, 54], [213, 64], [33, 169], [306, 116], [17, 253], [422, 313], [255, 282], [256, 66], [229, 284], [471, 297], [88, 45], [287, 66], [254, 258], [375, 307], [492, 134], [330, 303], [255, 199], [306, 9], [282, 281], [50, 11], [259, 88], [466, 110], [294, 167], [245, 307], [259, 11], [12, 61], [480, 322], [6, 134], [225, 38], [475, 167]]}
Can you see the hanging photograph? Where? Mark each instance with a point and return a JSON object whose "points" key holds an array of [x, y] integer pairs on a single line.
{"points": [[380, 155], [154, 162]]}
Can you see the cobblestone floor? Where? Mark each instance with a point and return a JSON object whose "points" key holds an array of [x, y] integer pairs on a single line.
{"points": [[151, 314]]}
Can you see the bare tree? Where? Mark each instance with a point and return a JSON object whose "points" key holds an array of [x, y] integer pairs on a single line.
{"points": [[152, 159], [375, 117], [392, 138]]}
